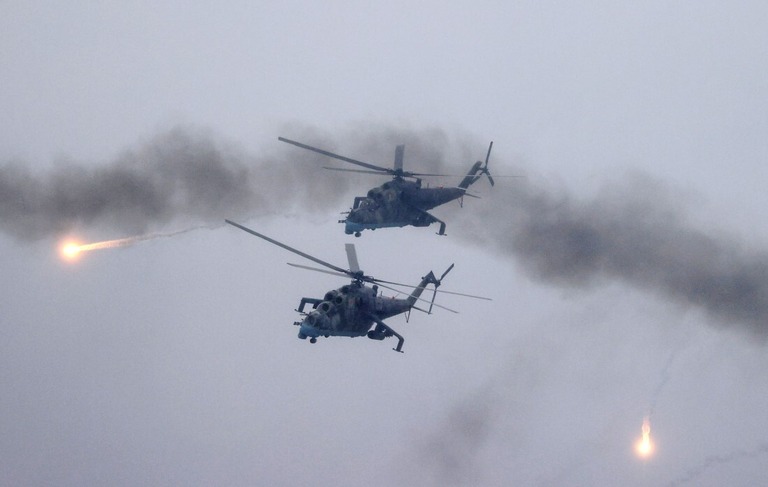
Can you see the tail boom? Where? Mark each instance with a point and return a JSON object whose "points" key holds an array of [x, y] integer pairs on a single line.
{"points": [[425, 281]]}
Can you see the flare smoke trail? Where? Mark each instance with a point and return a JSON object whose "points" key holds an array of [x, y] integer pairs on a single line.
{"points": [[662, 381], [715, 460], [71, 250]]}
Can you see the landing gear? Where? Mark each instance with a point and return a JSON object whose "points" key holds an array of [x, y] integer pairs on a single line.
{"points": [[313, 340], [357, 234], [425, 219], [383, 331]]}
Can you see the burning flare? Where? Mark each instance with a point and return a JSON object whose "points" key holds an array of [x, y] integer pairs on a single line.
{"points": [[644, 446], [71, 250]]}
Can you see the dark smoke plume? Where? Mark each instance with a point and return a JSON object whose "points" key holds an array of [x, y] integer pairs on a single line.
{"points": [[449, 456], [185, 175], [190, 176], [634, 233]]}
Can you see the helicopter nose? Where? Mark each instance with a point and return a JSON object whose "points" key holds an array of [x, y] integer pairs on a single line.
{"points": [[312, 324], [352, 227], [307, 330]]}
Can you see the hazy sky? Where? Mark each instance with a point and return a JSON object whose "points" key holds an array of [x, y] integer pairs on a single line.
{"points": [[628, 267]]}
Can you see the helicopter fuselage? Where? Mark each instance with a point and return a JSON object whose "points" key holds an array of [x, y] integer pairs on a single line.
{"points": [[353, 309], [398, 203], [350, 311]]}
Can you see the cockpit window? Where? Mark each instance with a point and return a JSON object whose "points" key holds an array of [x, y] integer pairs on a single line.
{"points": [[368, 204]]}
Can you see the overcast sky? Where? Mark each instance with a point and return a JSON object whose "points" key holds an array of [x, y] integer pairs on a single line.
{"points": [[628, 266]]}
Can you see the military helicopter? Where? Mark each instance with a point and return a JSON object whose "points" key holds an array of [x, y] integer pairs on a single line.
{"points": [[401, 201], [353, 309]]}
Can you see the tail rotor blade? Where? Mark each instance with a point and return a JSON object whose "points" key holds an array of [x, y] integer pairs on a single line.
{"points": [[444, 273], [437, 284], [485, 167]]}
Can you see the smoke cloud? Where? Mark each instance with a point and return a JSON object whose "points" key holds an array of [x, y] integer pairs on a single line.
{"points": [[633, 232], [189, 175], [451, 453], [185, 175]]}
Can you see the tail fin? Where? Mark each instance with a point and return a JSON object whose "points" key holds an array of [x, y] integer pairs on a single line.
{"points": [[425, 281], [471, 176]]}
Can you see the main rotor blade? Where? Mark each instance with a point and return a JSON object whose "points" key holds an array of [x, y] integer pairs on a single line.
{"points": [[335, 156], [352, 257], [405, 173], [508, 176], [399, 151], [419, 299], [439, 306], [306, 267], [393, 283], [434, 175], [379, 281], [290, 249], [451, 175], [465, 295], [363, 171], [419, 309]]}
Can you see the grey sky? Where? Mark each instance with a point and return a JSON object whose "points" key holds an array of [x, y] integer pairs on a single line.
{"points": [[174, 361]]}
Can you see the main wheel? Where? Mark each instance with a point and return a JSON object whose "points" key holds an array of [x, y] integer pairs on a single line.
{"points": [[313, 340]]}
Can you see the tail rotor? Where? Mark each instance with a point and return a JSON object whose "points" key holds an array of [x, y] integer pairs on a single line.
{"points": [[484, 168], [477, 170], [437, 282]]}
